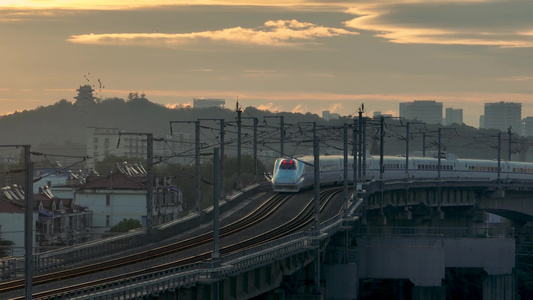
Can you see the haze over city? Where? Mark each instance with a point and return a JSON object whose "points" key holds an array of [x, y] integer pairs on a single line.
{"points": [[296, 56]]}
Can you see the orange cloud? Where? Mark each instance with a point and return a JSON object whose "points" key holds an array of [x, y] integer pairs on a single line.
{"points": [[178, 105], [300, 108], [375, 17], [269, 107], [281, 33]]}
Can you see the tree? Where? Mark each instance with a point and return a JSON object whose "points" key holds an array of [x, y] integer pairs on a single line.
{"points": [[123, 226]]}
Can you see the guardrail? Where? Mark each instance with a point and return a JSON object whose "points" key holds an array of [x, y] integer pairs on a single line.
{"points": [[181, 277], [445, 232], [58, 258]]}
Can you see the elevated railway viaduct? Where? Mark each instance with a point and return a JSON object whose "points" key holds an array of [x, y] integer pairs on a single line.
{"points": [[410, 230]]}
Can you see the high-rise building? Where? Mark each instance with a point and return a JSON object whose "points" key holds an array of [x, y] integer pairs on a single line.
{"points": [[427, 111], [326, 115], [503, 115], [528, 126], [453, 116]]}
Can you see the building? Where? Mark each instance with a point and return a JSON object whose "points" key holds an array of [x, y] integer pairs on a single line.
{"points": [[56, 221], [453, 116], [528, 126], [206, 103], [326, 115], [118, 196], [427, 111], [101, 142], [61, 221], [503, 115], [85, 96], [378, 114]]}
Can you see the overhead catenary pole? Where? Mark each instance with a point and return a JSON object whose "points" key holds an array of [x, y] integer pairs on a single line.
{"points": [[28, 224], [197, 166], [198, 202], [407, 150], [354, 150], [216, 202], [423, 144], [381, 146], [149, 182], [363, 166], [407, 138], [439, 156], [221, 141], [282, 133], [510, 133], [256, 167], [345, 168], [149, 178], [316, 154], [499, 156], [360, 142], [239, 143]]}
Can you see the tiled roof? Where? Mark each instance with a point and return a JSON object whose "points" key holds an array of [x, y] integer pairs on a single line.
{"points": [[7, 207], [115, 181]]}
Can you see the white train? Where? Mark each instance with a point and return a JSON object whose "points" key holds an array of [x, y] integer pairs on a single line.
{"points": [[296, 174]]}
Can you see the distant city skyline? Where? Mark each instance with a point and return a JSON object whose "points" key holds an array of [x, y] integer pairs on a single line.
{"points": [[294, 56]]}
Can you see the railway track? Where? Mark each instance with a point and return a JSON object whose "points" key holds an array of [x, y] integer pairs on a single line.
{"points": [[304, 218]]}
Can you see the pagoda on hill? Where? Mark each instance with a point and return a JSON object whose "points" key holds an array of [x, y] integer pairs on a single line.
{"points": [[85, 95]]}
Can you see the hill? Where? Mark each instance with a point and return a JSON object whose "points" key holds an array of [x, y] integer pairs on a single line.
{"points": [[61, 129]]}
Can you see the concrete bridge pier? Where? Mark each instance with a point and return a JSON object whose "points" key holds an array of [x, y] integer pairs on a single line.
{"points": [[499, 287]]}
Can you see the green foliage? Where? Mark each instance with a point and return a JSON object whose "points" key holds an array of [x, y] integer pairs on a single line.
{"points": [[123, 226]]}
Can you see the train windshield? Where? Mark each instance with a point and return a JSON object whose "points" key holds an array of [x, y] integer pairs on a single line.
{"points": [[287, 164]]}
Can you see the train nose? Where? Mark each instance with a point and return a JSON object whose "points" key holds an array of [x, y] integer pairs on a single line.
{"points": [[284, 180]]}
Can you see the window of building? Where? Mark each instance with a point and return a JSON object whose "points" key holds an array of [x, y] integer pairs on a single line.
{"points": [[107, 221], [107, 200]]}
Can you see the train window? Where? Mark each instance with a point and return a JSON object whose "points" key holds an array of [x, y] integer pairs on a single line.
{"points": [[287, 165]]}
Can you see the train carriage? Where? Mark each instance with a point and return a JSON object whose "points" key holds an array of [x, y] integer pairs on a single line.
{"points": [[293, 174]]}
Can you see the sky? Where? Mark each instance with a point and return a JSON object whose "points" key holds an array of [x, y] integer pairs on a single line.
{"points": [[281, 55]]}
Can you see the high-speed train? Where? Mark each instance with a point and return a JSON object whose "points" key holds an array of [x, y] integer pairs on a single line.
{"points": [[293, 174]]}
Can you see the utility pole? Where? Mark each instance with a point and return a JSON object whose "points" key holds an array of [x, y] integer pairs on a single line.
{"points": [[197, 178]]}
